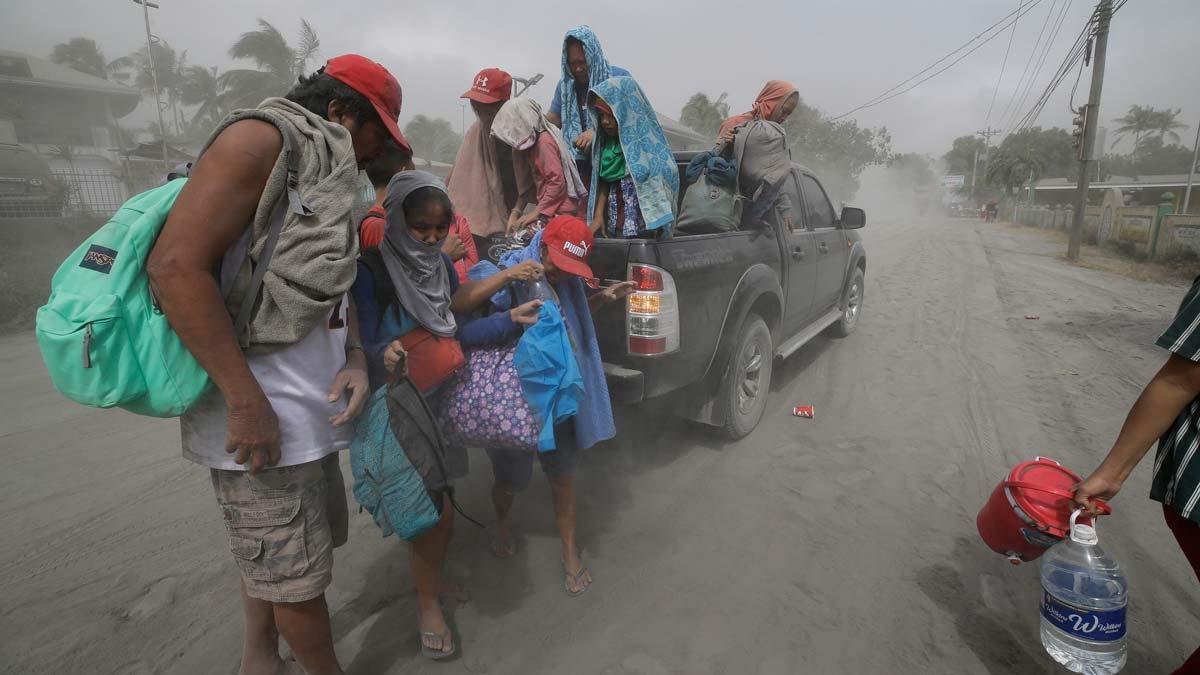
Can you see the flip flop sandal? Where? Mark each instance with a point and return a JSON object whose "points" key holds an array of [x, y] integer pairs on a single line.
{"points": [[575, 578], [495, 540], [433, 653]]}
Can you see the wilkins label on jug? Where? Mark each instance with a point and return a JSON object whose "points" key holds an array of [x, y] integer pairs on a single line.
{"points": [[1098, 625]]}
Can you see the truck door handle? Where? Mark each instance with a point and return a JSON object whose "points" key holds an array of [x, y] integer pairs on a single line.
{"points": [[798, 253]]}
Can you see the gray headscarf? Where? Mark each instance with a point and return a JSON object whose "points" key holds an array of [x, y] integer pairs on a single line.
{"points": [[417, 269]]}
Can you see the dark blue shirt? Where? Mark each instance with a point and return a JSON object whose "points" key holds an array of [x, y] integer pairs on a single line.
{"points": [[378, 329]]}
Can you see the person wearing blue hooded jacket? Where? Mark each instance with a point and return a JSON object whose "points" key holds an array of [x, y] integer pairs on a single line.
{"points": [[583, 67]]}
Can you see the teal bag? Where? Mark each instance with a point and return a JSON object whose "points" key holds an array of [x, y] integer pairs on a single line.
{"points": [[398, 460], [102, 336], [103, 339]]}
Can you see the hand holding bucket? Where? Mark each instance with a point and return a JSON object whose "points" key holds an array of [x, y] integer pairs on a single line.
{"points": [[1030, 510]]}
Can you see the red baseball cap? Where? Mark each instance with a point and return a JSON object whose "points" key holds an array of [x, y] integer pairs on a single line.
{"points": [[375, 83], [568, 241], [491, 85]]}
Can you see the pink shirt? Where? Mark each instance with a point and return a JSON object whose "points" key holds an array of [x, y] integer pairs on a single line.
{"points": [[542, 165]]}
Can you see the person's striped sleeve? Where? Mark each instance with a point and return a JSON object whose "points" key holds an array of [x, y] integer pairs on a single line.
{"points": [[1182, 337]]}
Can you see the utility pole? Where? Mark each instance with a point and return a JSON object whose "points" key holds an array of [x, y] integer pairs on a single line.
{"points": [[162, 126], [987, 143], [1091, 120], [1187, 194]]}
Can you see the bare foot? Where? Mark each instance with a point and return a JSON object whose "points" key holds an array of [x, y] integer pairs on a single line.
{"points": [[435, 634], [504, 545]]}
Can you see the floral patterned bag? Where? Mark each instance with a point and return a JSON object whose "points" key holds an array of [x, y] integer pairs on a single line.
{"points": [[483, 407]]}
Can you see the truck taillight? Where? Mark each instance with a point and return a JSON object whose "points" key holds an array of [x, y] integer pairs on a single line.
{"points": [[652, 312], [646, 277]]}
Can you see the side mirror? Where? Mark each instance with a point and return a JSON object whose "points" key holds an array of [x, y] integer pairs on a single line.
{"points": [[853, 218]]}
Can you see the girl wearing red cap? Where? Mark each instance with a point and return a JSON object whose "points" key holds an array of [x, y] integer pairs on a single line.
{"points": [[562, 249]]}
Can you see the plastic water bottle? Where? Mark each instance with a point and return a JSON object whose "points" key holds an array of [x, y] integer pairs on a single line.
{"points": [[1084, 594]]}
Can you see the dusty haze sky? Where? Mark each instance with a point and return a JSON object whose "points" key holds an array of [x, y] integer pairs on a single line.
{"points": [[838, 53]]}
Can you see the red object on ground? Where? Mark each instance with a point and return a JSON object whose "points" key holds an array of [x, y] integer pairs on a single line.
{"points": [[1030, 511], [803, 411]]}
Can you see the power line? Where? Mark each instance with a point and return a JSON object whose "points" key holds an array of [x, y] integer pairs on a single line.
{"points": [[1075, 55], [1029, 62], [1003, 65], [1002, 23], [1041, 62], [1075, 87]]}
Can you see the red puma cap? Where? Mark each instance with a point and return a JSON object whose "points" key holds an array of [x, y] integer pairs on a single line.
{"points": [[568, 241]]}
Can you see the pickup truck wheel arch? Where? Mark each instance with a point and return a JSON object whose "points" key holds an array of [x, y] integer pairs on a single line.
{"points": [[758, 291]]}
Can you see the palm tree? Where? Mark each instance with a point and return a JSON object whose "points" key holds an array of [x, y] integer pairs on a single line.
{"points": [[1010, 170], [1166, 121], [433, 138], [704, 115], [1140, 120], [82, 54], [168, 66], [278, 63], [201, 87]]}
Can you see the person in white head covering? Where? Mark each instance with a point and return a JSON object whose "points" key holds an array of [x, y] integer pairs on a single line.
{"points": [[547, 177]]}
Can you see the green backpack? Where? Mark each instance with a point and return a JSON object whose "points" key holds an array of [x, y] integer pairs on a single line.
{"points": [[102, 335]]}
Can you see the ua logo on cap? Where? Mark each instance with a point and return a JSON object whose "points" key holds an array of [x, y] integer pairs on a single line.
{"points": [[580, 250], [481, 83]]}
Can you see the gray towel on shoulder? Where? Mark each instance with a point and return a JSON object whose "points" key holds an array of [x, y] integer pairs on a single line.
{"points": [[314, 263]]}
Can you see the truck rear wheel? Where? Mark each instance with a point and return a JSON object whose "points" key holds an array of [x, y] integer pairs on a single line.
{"points": [[853, 305], [747, 381]]}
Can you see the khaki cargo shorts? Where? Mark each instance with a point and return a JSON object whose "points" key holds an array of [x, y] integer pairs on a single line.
{"points": [[283, 525]]}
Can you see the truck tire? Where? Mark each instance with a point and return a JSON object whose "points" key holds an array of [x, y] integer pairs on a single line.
{"points": [[747, 381], [853, 305]]}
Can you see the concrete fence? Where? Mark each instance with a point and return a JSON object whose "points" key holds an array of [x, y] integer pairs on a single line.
{"points": [[1180, 234], [1153, 231]]}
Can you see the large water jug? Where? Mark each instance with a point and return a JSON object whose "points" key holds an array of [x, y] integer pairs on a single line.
{"points": [[1084, 594]]}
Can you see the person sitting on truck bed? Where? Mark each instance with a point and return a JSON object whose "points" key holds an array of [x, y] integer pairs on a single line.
{"points": [[583, 67], [775, 103], [460, 245], [562, 249], [635, 181], [545, 169]]}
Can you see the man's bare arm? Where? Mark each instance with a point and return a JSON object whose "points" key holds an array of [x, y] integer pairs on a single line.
{"points": [[211, 213]]}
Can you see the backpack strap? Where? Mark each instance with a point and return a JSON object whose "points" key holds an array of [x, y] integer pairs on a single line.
{"points": [[385, 292], [278, 215], [434, 435], [289, 201]]}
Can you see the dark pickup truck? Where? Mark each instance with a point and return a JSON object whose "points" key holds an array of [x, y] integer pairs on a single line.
{"points": [[712, 311]]}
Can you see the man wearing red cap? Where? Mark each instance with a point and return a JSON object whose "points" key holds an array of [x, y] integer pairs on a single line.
{"points": [[482, 184], [285, 390], [562, 248]]}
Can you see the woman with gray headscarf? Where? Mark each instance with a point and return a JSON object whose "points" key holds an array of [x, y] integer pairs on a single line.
{"points": [[405, 284]]}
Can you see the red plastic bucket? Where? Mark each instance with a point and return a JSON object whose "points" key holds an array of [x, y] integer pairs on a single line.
{"points": [[1030, 511]]}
